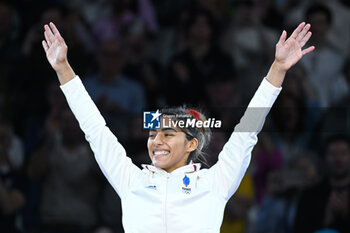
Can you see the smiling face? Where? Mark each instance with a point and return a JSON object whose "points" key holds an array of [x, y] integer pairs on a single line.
{"points": [[168, 147]]}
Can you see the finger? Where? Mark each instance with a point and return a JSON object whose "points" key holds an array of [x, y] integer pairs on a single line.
{"points": [[297, 30], [308, 50], [47, 38], [60, 39], [305, 39], [283, 37], [302, 34], [45, 46], [54, 29], [49, 34]]}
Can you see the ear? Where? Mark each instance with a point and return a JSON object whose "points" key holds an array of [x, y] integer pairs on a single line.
{"points": [[192, 145]]}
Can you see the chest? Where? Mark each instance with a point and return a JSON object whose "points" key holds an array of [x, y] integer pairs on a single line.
{"points": [[175, 202]]}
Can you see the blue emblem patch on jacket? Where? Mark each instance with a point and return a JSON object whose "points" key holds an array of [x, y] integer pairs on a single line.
{"points": [[186, 181]]}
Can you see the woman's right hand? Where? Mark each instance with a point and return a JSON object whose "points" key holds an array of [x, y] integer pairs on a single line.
{"points": [[55, 47]]}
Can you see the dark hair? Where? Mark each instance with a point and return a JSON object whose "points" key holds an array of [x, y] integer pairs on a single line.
{"points": [[319, 8], [202, 134]]}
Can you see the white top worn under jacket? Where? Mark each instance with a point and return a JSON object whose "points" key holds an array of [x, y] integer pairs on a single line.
{"points": [[156, 201]]}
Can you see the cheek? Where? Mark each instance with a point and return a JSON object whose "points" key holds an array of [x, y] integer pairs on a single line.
{"points": [[149, 146], [178, 147]]}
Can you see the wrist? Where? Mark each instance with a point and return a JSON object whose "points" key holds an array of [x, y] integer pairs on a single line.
{"points": [[62, 67], [65, 73], [279, 67], [276, 74]]}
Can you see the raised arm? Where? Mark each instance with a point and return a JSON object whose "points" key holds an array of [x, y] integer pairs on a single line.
{"points": [[226, 175], [109, 154]]}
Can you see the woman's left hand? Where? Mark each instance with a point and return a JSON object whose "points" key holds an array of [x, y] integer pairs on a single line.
{"points": [[289, 52]]}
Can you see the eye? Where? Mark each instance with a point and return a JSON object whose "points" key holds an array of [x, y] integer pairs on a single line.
{"points": [[151, 135], [168, 134]]}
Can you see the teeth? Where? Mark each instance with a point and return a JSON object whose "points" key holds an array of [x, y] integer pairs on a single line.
{"points": [[161, 152]]}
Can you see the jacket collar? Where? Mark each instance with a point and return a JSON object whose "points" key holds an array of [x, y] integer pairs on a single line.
{"points": [[191, 167]]}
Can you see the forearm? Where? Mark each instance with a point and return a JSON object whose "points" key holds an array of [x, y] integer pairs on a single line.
{"points": [[65, 73], [276, 74]]}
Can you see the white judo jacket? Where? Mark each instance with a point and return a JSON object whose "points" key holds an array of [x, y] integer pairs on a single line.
{"points": [[189, 199]]}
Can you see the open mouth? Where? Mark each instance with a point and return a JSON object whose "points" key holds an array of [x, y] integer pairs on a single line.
{"points": [[160, 153]]}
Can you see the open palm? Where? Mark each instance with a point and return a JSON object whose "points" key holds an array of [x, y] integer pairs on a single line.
{"points": [[54, 46], [289, 52]]}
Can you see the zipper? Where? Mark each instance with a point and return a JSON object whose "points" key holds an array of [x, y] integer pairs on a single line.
{"points": [[165, 203]]}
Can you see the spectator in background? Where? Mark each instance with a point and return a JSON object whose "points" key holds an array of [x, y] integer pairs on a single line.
{"points": [[116, 95], [338, 36], [327, 205], [267, 159], [74, 30], [277, 210], [31, 76], [12, 189], [299, 84], [336, 119], [251, 44], [200, 61], [90, 10], [113, 91], [223, 100], [141, 65], [70, 177], [291, 135], [9, 53], [13, 147], [326, 63], [341, 86], [123, 14], [219, 9]]}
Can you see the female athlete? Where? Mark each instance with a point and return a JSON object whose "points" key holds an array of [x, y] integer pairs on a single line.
{"points": [[173, 194]]}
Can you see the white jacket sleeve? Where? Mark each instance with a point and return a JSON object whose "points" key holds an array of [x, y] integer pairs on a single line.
{"points": [[109, 153], [225, 176]]}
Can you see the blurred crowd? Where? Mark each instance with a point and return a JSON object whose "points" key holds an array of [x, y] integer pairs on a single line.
{"points": [[136, 55]]}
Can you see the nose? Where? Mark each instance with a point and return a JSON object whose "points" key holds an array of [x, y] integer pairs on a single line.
{"points": [[158, 140]]}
